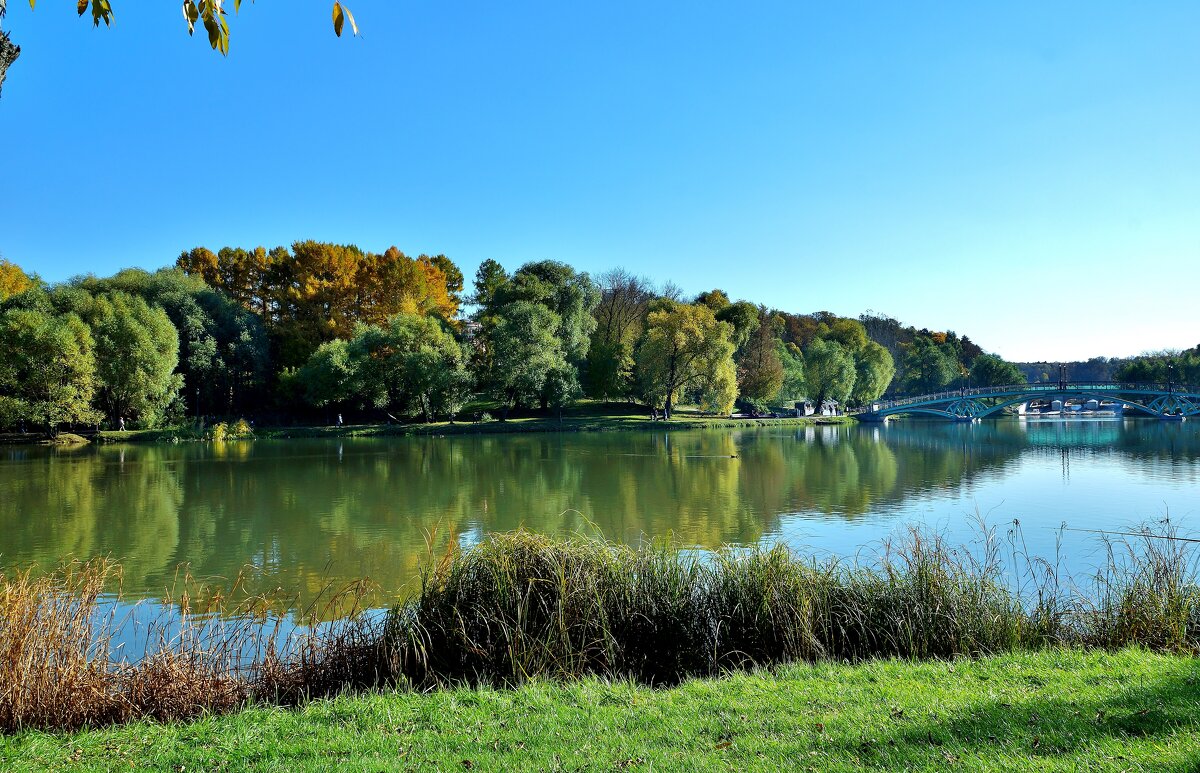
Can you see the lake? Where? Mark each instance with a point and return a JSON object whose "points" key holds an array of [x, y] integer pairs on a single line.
{"points": [[301, 514]]}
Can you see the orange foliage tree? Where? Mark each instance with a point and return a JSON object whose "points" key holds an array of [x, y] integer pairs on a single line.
{"points": [[317, 291]]}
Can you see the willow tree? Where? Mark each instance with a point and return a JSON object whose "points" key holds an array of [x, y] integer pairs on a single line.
{"points": [[47, 368], [687, 348], [874, 370], [829, 372]]}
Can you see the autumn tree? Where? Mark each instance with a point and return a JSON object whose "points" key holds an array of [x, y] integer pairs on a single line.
{"points": [[13, 280], [759, 367], [687, 348], [317, 291], [714, 299]]}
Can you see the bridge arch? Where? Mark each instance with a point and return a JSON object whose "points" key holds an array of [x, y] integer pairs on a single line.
{"points": [[1162, 400]]}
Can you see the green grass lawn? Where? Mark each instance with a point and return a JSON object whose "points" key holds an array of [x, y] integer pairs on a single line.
{"points": [[1060, 710], [586, 416]]}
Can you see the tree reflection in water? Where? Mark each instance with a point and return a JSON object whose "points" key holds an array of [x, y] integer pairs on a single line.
{"points": [[305, 513]]}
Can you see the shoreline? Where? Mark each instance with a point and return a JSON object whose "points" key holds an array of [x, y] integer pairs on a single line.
{"points": [[524, 425]]}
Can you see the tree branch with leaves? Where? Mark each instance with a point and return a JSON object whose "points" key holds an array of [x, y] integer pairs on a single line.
{"points": [[210, 14]]}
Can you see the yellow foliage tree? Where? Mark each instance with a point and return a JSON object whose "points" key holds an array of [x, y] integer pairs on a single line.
{"points": [[12, 279]]}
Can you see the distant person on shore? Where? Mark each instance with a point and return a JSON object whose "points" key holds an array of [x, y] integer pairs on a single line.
{"points": [[121, 423], [339, 420]]}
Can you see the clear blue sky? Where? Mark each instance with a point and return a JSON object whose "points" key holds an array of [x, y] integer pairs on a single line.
{"points": [[1024, 173]]}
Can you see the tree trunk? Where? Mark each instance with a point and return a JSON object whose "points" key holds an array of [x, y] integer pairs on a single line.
{"points": [[667, 407]]}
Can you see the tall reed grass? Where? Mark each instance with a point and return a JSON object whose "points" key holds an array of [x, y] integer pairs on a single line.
{"points": [[521, 605], [63, 665]]}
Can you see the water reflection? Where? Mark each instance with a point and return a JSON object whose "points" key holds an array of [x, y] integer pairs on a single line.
{"points": [[304, 512]]}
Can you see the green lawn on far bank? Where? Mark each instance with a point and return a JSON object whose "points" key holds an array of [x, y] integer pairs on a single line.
{"points": [[586, 416], [1056, 710]]}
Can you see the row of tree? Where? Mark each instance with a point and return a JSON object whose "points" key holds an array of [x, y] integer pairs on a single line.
{"points": [[1162, 367], [325, 326]]}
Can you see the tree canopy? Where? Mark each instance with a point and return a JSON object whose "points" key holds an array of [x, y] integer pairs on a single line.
{"points": [[318, 292], [47, 368], [687, 348]]}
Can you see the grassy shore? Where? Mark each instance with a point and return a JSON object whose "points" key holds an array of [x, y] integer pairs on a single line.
{"points": [[1054, 710], [587, 416]]}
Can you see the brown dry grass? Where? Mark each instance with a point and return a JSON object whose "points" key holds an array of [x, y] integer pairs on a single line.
{"points": [[61, 667]]}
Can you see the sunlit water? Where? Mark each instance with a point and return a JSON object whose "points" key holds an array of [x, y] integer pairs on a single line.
{"points": [[302, 515]]}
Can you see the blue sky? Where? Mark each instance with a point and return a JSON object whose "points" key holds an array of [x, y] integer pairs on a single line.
{"points": [[1027, 175]]}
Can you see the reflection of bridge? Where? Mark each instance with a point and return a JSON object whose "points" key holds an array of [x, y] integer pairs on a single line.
{"points": [[1166, 401]]}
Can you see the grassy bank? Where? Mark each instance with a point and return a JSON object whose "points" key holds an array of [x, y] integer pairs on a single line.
{"points": [[587, 416], [1053, 710], [520, 607]]}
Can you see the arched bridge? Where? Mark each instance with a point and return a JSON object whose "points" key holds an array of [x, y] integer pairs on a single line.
{"points": [[1166, 401]]}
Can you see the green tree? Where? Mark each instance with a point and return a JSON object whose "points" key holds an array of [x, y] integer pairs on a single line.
{"points": [[874, 370], [526, 351], [490, 278], [687, 348], [571, 296], [927, 367], [759, 366], [330, 376], [792, 362], [420, 361], [224, 356], [745, 319], [137, 351], [829, 372], [849, 333], [713, 299], [47, 369], [414, 365], [990, 370]]}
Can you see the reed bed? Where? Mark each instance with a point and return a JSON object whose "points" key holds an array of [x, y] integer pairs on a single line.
{"points": [[63, 666], [524, 605], [521, 605]]}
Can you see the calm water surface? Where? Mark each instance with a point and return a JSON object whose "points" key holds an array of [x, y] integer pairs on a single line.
{"points": [[302, 513]]}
